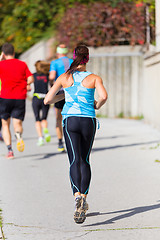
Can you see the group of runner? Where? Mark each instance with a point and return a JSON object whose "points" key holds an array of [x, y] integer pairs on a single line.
{"points": [[16, 79], [72, 91], [48, 73]]}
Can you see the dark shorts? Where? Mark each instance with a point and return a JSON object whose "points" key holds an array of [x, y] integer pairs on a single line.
{"points": [[39, 108], [59, 104], [14, 108]]}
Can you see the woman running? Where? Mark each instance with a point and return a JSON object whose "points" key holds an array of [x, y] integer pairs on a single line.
{"points": [[40, 89], [79, 122]]}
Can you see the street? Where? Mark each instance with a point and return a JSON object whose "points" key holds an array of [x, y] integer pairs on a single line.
{"points": [[124, 197]]}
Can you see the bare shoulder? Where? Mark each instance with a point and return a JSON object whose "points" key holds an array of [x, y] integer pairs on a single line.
{"points": [[65, 80], [98, 79], [62, 77], [94, 76]]}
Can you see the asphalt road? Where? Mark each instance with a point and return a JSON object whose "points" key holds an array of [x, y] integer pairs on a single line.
{"points": [[124, 198]]}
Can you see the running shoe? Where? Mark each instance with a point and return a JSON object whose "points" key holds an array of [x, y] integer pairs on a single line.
{"points": [[10, 155], [79, 214], [20, 142], [84, 204], [61, 148], [40, 142], [47, 136], [78, 201]]}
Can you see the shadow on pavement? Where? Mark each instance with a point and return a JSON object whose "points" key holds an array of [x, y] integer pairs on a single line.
{"points": [[49, 155], [127, 213], [40, 156], [121, 146], [112, 137], [33, 137]]}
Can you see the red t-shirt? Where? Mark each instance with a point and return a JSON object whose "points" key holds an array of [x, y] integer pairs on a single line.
{"points": [[13, 75]]}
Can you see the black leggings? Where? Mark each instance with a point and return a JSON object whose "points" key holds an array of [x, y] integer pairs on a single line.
{"points": [[79, 135], [38, 105]]}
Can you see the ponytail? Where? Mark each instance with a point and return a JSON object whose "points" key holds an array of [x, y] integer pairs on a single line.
{"points": [[80, 57]]}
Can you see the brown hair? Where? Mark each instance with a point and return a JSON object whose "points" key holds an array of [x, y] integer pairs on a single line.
{"points": [[81, 53], [42, 67], [8, 49]]}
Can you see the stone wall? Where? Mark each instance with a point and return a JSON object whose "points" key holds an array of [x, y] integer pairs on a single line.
{"points": [[151, 90], [121, 69]]}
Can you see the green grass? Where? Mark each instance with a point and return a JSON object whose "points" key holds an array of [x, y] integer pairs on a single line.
{"points": [[158, 161], [157, 146], [0, 217], [101, 116], [1, 228], [121, 115], [122, 229]]}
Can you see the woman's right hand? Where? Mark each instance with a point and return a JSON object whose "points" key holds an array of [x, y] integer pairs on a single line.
{"points": [[102, 93], [2, 57]]}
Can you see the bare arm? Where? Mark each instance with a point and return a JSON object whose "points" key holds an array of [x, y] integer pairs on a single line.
{"points": [[52, 76], [30, 80], [51, 96], [102, 93], [2, 57], [58, 98]]}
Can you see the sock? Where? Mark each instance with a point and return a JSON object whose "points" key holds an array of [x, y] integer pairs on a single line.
{"points": [[60, 141], [18, 135], [9, 147]]}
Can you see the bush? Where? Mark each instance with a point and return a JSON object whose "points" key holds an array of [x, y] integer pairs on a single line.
{"points": [[101, 24]]}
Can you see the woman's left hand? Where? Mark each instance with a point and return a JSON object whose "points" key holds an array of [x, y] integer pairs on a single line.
{"points": [[95, 102]]}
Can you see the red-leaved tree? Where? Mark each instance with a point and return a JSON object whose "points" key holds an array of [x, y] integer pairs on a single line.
{"points": [[100, 24]]}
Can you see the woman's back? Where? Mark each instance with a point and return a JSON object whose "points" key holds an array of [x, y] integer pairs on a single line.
{"points": [[79, 98]]}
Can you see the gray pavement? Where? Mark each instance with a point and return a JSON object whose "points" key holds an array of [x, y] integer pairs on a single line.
{"points": [[124, 198]]}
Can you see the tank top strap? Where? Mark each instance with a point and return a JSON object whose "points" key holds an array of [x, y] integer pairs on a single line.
{"points": [[79, 76]]}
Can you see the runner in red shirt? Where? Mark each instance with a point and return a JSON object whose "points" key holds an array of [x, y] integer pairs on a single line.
{"points": [[15, 81]]}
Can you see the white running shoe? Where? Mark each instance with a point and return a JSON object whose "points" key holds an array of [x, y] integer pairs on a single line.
{"points": [[40, 142]]}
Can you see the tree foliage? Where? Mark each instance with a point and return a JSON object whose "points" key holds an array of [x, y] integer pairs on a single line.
{"points": [[101, 24], [25, 22]]}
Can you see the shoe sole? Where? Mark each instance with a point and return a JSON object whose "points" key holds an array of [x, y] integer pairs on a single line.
{"points": [[10, 157], [61, 150], [20, 145], [79, 217], [85, 210], [39, 145], [48, 138]]}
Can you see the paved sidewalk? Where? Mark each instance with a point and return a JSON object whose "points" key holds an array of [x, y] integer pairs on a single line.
{"points": [[124, 198]]}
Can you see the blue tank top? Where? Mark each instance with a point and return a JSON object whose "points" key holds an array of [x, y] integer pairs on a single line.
{"points": [[79, 100]]}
